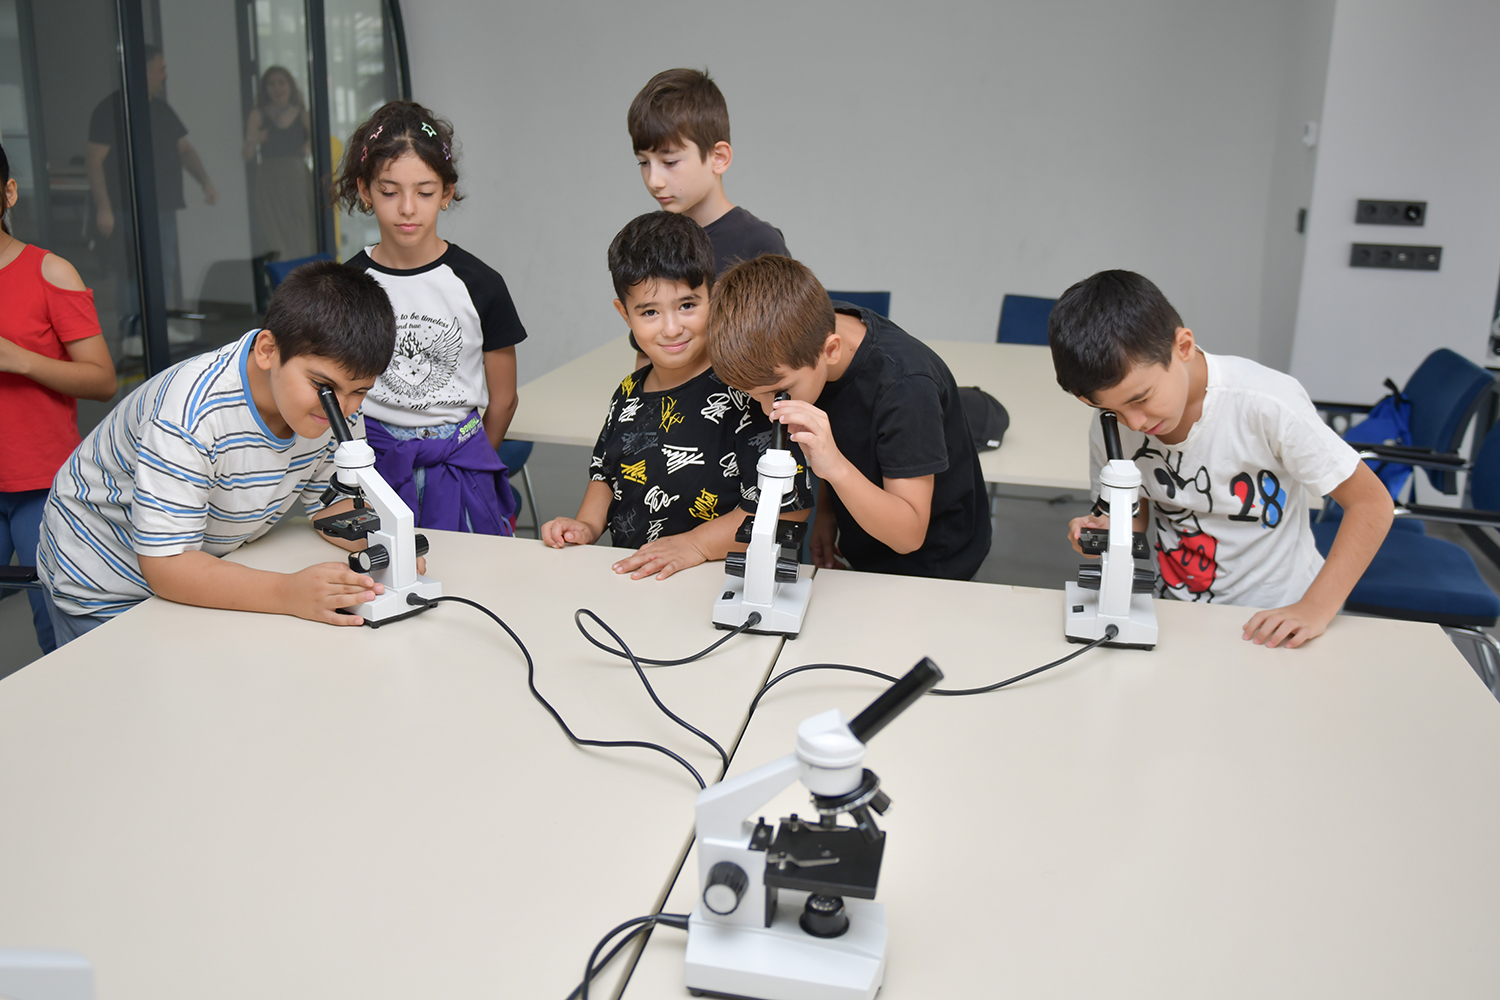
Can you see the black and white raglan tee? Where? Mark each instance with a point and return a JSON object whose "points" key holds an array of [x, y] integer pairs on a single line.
{"points": [[448, 313]]}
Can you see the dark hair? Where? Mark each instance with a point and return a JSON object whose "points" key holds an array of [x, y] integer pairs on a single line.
{"points": [[334, 312], [679, 104], [661, 246], [1106, 325], [765, 313], [4, 182], [263, 99], [395, 129], [152, 52]]}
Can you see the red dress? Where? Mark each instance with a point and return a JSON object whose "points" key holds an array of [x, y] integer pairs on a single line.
{"points": [[38, 427]]}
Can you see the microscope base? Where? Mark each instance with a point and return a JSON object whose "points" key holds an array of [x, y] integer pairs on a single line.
{"points": [[783, 617], [1083, 623], [784, 962], [391, 606]]}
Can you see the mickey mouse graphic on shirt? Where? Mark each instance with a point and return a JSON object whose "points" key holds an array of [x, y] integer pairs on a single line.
{"points": [[1187, 564]]}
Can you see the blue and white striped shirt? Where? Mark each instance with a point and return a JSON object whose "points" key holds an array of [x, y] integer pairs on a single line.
{"points": [[183, 463]]}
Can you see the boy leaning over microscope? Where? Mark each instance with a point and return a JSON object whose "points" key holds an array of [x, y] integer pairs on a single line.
{"points": [[208, 455], [1227, 450], [673, 473]]}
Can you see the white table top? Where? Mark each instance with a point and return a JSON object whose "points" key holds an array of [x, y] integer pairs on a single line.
{"points": [[215, 804], [1046, 445], [1210, 819]]}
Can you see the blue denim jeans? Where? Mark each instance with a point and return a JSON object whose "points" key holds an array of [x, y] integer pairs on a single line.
{"points": [[20, 531]]}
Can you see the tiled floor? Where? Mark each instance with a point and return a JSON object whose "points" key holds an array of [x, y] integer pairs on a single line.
{"points": [[1029, 547]]}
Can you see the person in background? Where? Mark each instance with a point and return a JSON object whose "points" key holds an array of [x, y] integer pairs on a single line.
{"points": [[279, 131], [51, 354], [457, 329], [171, 153], [679, 127]]}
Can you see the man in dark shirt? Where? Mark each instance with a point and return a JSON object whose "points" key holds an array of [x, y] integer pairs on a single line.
{"points": [[875, 411], [171, 152]]}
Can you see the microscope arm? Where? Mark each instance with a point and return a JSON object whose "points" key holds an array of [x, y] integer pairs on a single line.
{"points": [[722, 808]]}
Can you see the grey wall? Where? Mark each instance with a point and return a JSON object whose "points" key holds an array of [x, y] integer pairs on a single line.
{"points": [[949, 152], [1411, 113]]}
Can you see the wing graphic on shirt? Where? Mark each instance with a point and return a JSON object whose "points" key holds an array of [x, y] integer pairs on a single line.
{"points": [[424, 361]]}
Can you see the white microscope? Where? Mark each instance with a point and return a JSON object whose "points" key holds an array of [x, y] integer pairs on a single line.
{"points": [[743, 939], [1113, 591], [765, 579], [381, 517]]}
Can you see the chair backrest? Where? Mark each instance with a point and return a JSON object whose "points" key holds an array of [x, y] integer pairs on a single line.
{"points": [[1446, 391], [876, 302], [1023, 319], [277, 270], [1484, 481]]}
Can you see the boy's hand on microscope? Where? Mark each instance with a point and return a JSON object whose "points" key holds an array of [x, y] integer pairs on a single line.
{"points": [[663, 557], [1079, 524], [808, 426], [316, 593], [562, 531]]}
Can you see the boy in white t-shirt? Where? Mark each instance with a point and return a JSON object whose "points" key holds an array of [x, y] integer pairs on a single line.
{"points": [[1228, 451]]}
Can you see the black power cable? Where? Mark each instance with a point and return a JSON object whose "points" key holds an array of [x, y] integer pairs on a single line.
{"points": [[750, 623], [636, 663], [415, 599], [640, 924], [1109, 633]]}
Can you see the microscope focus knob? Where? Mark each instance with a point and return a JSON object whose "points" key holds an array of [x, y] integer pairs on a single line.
{"points": [[421, 544], [371, 559], [726, 885]]}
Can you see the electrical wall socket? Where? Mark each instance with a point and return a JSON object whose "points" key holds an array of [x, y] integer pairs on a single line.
{"points": [[1390, 213], [1392, 255]]}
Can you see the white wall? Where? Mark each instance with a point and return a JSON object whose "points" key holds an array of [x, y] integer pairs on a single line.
{"points": [[1412, 111], [949, 152]]}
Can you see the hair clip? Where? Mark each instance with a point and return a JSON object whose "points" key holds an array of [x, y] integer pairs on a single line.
{"points": [[376, 133], [446, 154], [429, 130], [365, 155]]}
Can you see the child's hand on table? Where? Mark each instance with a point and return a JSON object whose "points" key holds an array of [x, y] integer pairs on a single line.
{"points": [[1293, 624], [663, 557], [316, 593], [562, 531]]}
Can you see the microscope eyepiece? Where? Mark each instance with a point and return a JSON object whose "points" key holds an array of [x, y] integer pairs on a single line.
{"points": [[897, 698], [778, 429], [335, 415], [1111, 425]]}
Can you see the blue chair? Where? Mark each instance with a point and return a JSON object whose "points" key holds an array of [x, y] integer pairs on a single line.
{"points": [[1023, 320], [1416, 577], [277, 270], [1446, 392], [876, 302], [514, 454]]}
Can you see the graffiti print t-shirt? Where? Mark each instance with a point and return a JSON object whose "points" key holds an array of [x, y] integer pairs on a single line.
{"points": [[1229, 503], [448, 314], [682, 456]]}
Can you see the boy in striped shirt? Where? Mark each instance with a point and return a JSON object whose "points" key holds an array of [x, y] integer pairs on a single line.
{"points": [[208, 455]]}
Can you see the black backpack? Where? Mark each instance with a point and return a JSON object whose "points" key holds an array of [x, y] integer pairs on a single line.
{"points": [[987, 418]]}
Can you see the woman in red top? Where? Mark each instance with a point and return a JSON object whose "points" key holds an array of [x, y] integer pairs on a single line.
{"points": [[51, 354]]}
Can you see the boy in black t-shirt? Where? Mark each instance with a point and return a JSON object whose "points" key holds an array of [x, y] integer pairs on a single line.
{"points": [[679, 126], [673, 473], [902, 489]]}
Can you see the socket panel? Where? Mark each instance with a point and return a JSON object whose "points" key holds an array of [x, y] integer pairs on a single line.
{"points": [[1390, 213], [1396, 256]]}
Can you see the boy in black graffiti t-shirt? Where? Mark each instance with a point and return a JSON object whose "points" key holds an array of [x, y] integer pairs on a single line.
{"points": [[673, 473]]}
